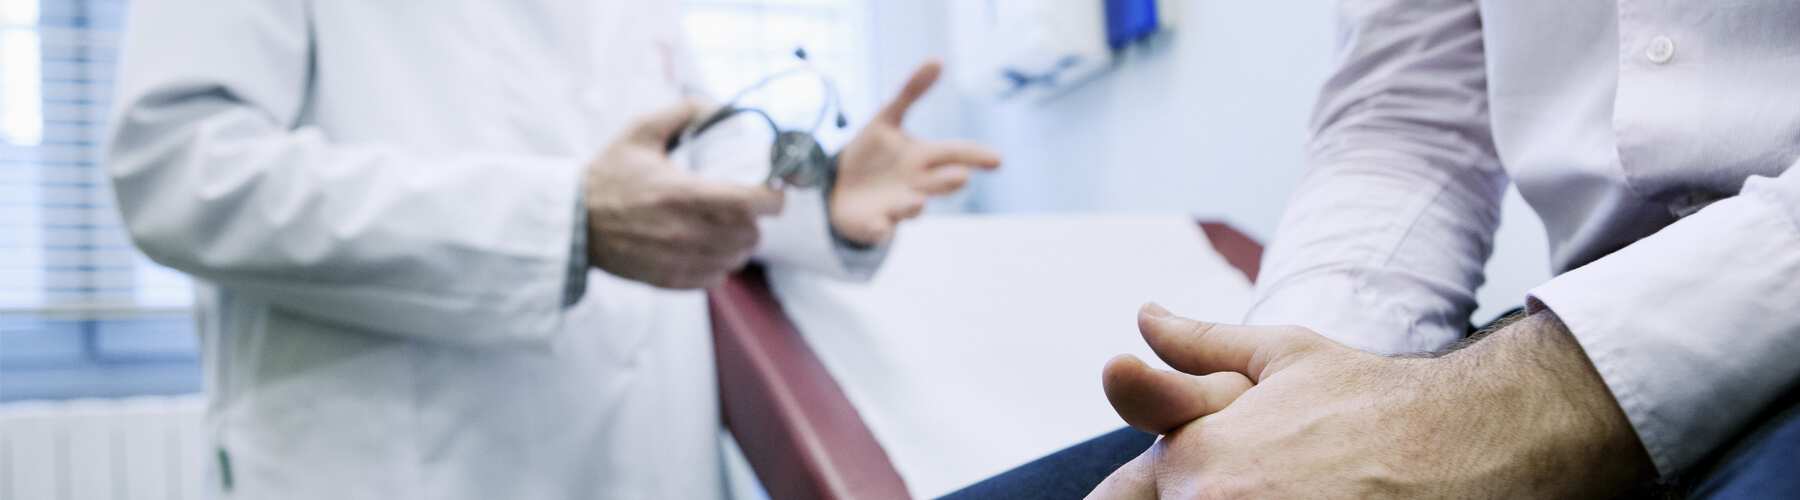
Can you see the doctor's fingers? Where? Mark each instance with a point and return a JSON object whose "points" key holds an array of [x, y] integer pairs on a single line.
{"points": [[664, 264], [656, 127], [687, 233], [729, 204], [961, 152], [944, 180], [725, 242], [704, 270], [1159, 401], [921, 81]]}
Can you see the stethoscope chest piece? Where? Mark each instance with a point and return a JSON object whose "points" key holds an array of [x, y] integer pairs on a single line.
{"points": [[797, 160]]}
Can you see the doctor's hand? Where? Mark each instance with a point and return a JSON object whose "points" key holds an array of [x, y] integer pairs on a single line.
{"points": [[884, 176], [1519, 414], [653, 222]]}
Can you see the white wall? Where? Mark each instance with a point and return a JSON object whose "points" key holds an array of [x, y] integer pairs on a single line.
{"points": [[903, 34], [1209, 120], [1521, 259]]}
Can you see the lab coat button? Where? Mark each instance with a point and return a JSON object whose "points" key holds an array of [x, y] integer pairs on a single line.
{"points": [[1661, 50]]}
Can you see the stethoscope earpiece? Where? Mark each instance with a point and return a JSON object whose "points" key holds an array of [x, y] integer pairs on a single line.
{"points": [[796, 158]]}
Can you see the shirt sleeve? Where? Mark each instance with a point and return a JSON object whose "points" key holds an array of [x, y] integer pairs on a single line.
{"points": [[1382, 246], [1695, 329], [218, 174]]}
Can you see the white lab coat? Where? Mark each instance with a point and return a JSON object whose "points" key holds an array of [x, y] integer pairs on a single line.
{"points": [[378, 200]]}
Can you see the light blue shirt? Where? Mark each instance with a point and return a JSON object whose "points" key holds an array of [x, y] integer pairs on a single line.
{"points": [[1656, 140]]}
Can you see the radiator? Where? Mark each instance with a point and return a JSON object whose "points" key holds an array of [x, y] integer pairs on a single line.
{"points": [[139, 448]]}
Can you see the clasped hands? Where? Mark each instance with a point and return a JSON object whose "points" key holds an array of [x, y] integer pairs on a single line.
{"points": [[1281, 412], [652, 222]]}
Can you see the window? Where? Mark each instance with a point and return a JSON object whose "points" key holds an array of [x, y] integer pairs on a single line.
{"points": [[739, 42], [62, 250], [82, 313]]}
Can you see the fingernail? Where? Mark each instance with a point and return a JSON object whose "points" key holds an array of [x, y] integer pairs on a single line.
{"points": [[1155, 310]]}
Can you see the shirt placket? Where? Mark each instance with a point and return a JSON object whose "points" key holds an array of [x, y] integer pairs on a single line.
{"points": [[1655, 108]]}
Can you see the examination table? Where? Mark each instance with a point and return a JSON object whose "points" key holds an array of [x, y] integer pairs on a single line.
{"points": [[977, 348]]}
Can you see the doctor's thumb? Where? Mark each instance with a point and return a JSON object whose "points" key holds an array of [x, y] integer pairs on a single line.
{"points": [[657, 127]]}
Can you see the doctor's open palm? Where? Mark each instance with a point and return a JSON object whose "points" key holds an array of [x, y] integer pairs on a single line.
{"points": [[885, 176]]}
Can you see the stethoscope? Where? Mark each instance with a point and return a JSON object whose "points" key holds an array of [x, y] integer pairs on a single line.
{"points": [[796, 158]]}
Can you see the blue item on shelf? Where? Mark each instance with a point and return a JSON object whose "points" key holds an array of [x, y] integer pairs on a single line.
{"points": [[1129, 21]]}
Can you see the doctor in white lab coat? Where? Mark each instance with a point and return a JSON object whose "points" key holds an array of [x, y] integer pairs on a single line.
{"points": [[391, 209]]}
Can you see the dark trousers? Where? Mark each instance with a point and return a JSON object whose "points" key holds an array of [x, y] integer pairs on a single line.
{"points": [[1070, 473], [1762, 463]]}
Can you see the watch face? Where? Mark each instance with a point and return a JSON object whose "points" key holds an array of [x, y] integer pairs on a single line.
{"points": [[797, 160]]}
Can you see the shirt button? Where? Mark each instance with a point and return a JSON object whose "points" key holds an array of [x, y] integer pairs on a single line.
{"points": [[1661, 50]]}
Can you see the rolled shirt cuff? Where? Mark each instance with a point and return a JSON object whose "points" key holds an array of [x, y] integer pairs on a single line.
{"points": [[1695, 329]]}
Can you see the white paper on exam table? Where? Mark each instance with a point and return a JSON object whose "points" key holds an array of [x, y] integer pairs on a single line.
{"points": [[978, 346]]}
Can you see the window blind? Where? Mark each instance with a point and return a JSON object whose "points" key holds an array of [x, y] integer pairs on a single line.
{"points": [[62, 249], [82, 312]]}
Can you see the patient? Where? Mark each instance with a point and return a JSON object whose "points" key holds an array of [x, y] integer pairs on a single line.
{"points": [[1656, 141]]}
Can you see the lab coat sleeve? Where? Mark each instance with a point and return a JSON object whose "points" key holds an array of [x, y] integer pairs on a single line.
{"points": [[1383, 244], [218, 174], [1695, 329], [802, 237]]}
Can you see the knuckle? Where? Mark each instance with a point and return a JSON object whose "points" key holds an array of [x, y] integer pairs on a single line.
{"points": [[733, 240], [673, 197], [737, 206], [1297, 337], [675, 236], [1198, 329], [656, 198]]}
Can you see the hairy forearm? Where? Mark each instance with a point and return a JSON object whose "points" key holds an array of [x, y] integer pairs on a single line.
{"points": [[1533, 371]]}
